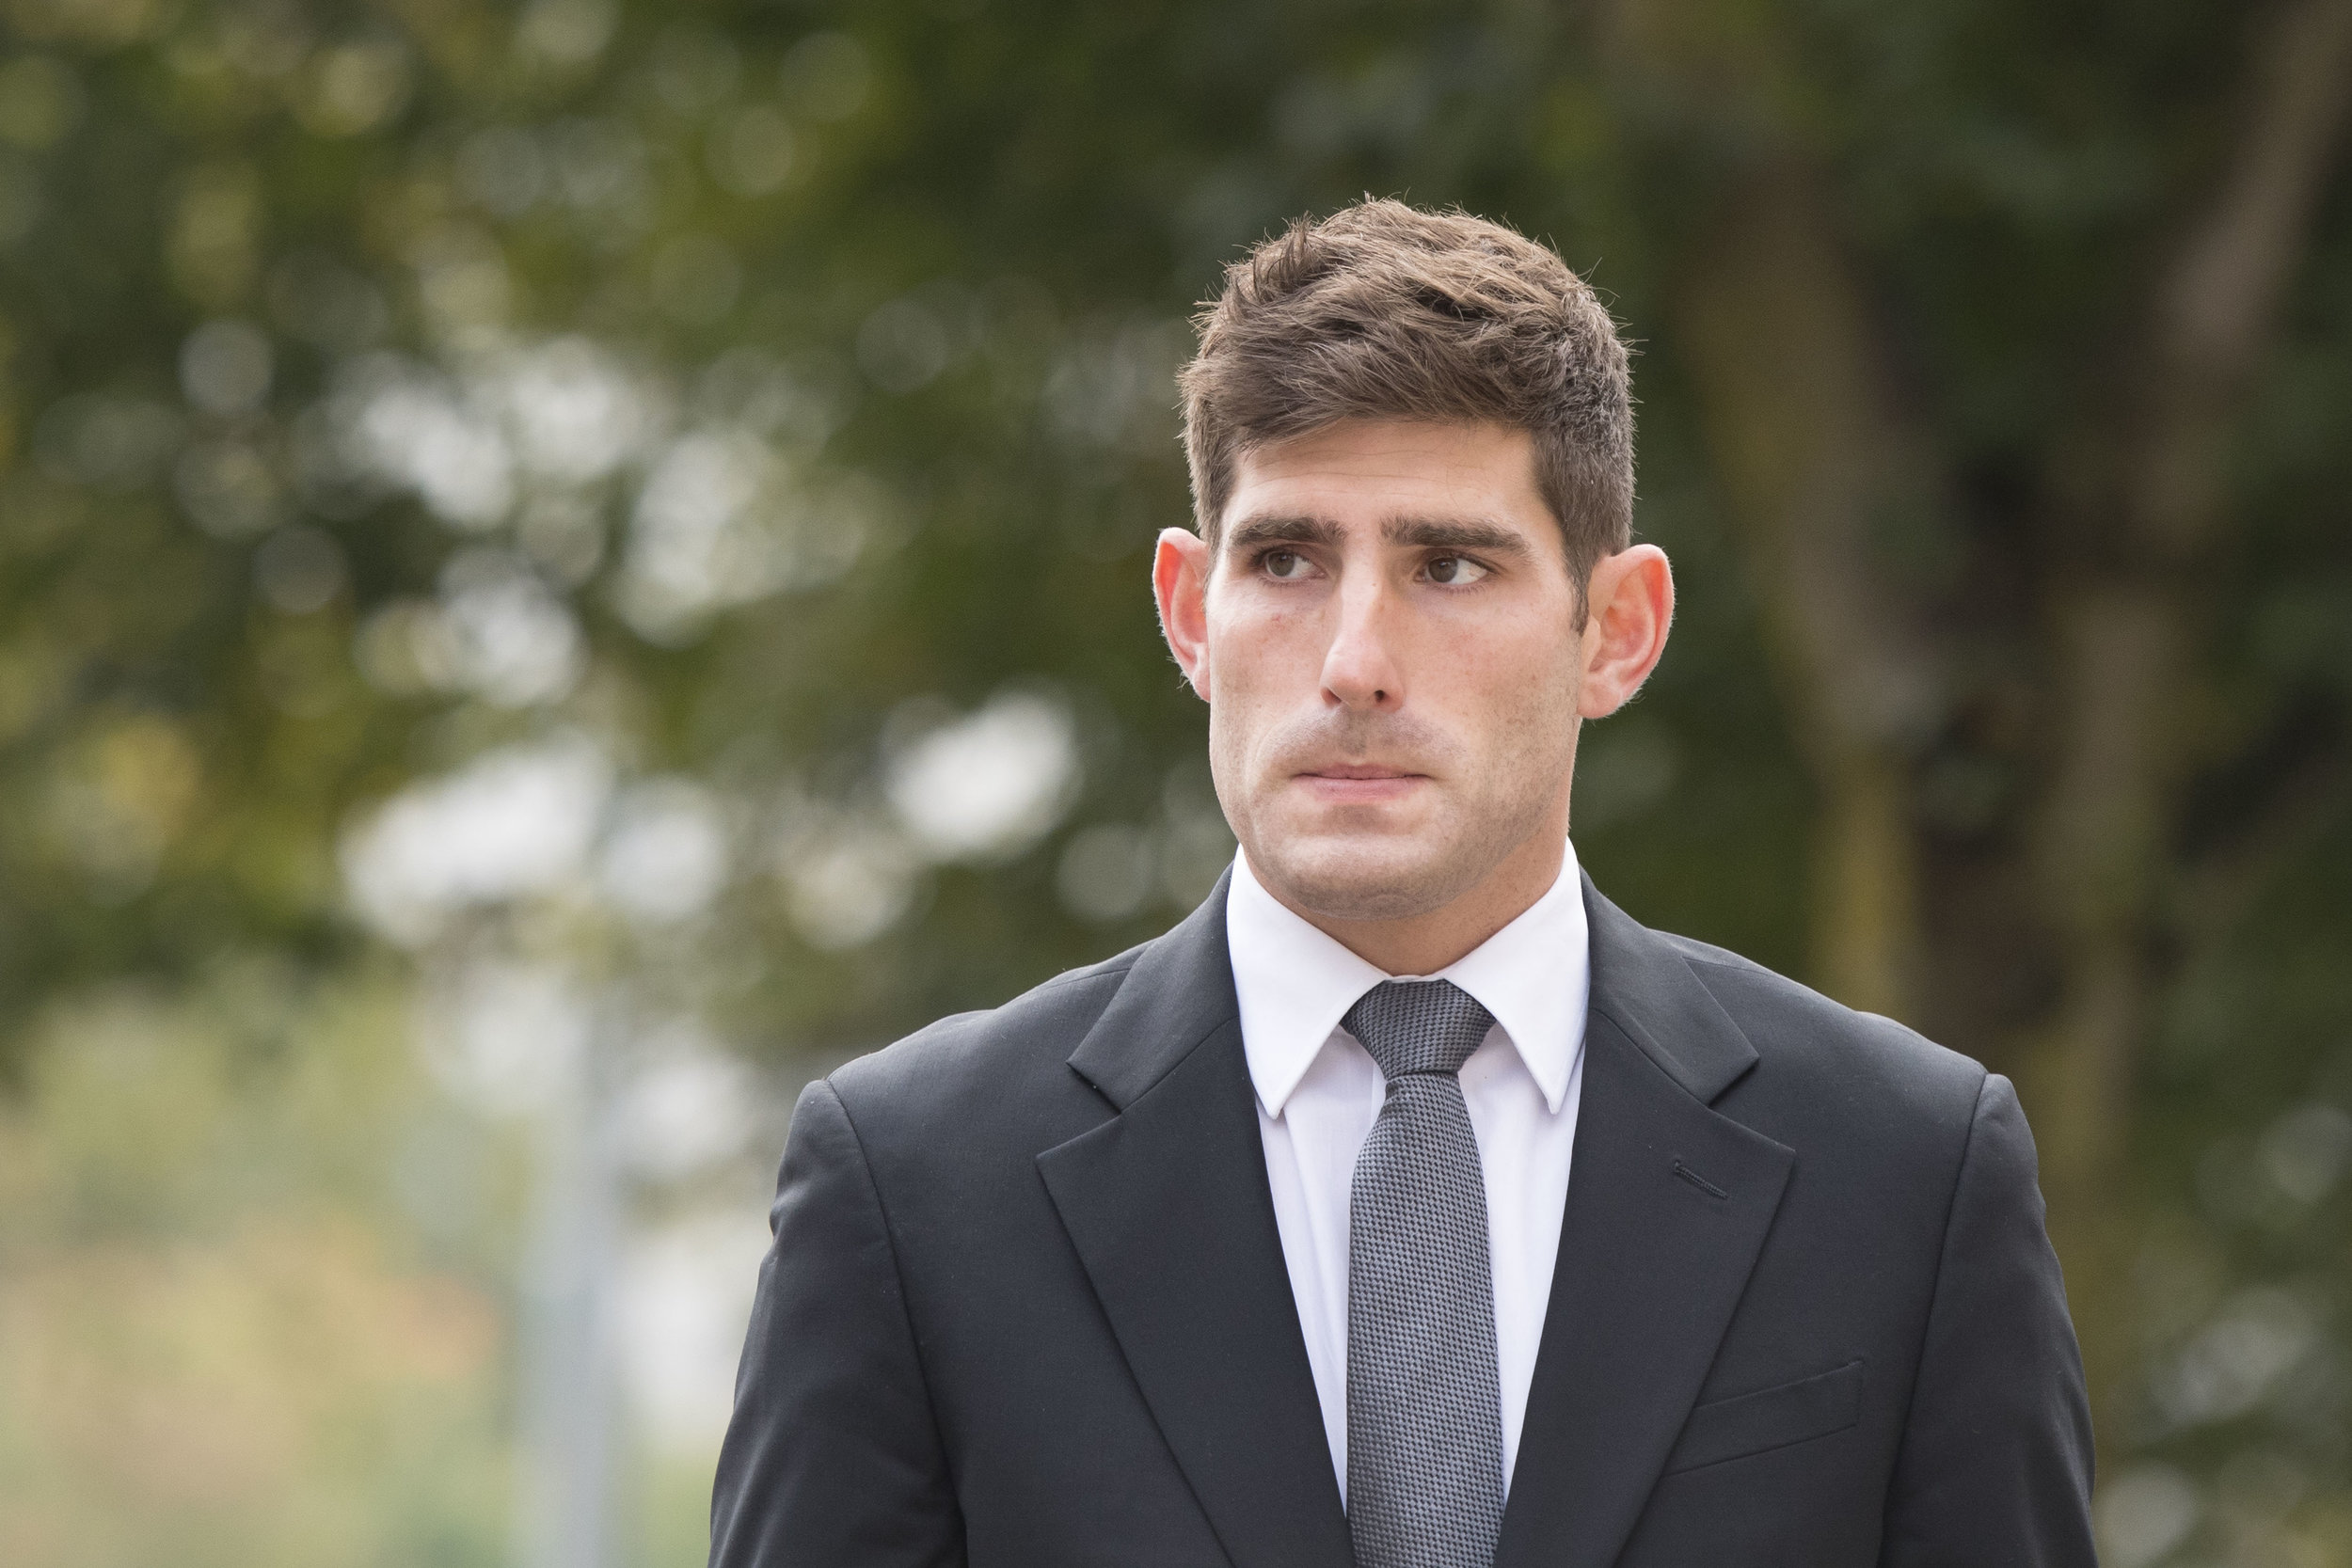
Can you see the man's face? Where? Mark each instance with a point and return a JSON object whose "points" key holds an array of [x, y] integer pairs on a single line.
{"points": [[1392, 659]]}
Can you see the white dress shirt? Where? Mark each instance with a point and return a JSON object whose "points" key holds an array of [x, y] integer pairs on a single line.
{"points": [[1319, 1092]]}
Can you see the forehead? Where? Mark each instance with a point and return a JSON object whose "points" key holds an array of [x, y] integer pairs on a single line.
{"points": [[1371, 469]]}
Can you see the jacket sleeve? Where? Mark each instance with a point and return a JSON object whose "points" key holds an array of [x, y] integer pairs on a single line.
{"points": [[1996, 1460], [833, 1458]]}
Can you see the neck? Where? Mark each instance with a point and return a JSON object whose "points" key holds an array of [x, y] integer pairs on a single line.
{"points": [[1426, 943]]}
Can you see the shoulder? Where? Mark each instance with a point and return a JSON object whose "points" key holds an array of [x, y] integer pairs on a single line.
{"points": [[966, 1067], [1825, 1060]]}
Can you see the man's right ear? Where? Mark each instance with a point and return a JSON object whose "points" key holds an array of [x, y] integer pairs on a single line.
{"points": [[1180, 581]]}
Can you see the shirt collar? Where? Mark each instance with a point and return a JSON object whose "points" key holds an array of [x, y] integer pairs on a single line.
{"points": [[1294, 983]]}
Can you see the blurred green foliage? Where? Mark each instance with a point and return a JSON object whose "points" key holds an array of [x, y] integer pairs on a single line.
{"points": [[745, 425]]}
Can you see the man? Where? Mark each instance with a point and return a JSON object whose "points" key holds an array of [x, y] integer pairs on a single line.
{"points": [[1408, 1205]]}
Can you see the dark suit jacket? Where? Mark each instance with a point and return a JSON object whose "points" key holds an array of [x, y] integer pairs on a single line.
{"points": [[1027, 1305]]}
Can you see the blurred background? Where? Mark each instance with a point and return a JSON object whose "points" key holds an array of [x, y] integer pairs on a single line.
{"points": [[565, 567]]}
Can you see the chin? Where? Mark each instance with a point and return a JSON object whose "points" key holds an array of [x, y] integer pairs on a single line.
{"points": [[1351, 877]]}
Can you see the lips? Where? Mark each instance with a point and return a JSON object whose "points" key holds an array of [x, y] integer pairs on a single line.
{"points": [[1358, 770], [1342, 785]]}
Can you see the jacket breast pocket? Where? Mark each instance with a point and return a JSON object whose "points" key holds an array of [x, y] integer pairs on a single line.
{"points": [[1770, 1419]]}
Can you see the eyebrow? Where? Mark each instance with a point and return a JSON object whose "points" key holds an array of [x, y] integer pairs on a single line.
{"points": [[1269, 528], [1453, 533]]}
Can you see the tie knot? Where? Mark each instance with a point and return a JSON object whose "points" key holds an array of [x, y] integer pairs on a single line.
{"points": [[1419, 1026]]}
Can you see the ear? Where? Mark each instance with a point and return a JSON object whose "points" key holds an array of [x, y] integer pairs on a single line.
{"points": [[1630, 605], [1180, 581]]}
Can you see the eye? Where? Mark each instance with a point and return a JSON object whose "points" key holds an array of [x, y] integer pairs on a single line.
{"points": [[1455, 570], [1282, 565]]}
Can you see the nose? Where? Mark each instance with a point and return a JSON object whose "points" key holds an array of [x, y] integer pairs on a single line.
{"points": [[1360, 669]]}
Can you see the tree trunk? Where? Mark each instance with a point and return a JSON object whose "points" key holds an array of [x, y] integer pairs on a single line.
{"points": [[1812, 453], [2125, 634], [1810, 457]]}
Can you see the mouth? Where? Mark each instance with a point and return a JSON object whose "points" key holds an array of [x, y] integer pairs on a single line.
{"points": [[1342, 783]]}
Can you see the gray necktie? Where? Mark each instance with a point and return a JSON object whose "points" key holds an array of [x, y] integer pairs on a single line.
{"points": [[1425, 1411]]}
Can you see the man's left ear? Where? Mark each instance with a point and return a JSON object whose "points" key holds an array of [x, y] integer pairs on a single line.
{"points": [[1629, 603]]}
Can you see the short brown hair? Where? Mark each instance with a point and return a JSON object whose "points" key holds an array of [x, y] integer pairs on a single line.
{"points": [[1382, 310]]}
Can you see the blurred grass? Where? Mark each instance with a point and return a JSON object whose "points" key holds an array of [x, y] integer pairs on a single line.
{"points": [[223, 1337]]}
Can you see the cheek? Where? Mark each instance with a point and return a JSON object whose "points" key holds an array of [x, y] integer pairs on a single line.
{"points": [[1261, 651], [1249, 670], [1526, 694]]}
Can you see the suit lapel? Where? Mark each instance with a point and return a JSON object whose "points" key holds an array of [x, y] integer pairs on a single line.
{"points": [[1668, 1205], [1167, 1206]]}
